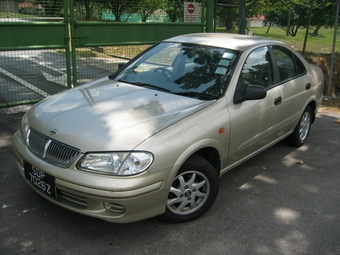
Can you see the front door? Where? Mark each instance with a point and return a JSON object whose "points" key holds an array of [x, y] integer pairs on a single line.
{"points": [[254, 123]]}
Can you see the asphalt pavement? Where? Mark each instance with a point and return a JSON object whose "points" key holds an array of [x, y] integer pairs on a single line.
{"points": [[283, 201]]}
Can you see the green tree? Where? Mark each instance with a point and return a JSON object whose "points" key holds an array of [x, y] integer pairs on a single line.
{"points": [[255, 7], [174, 9], [118, 7], [147, 8], [290, 15], [88, 8], [227, 11], [52, 8], [323, 15]]}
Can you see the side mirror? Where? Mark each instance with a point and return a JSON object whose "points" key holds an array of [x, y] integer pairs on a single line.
{"points": [[121, 64], [252, 92]]}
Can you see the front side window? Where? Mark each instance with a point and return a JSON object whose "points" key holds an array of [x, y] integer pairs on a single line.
{"points": [[184, 69], [289, 65], [256, 70]]}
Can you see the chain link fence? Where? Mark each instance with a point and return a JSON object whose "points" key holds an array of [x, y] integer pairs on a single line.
{"points": [[28, 75], [95, 10], [128, 11], [262, 22], [31, 10], [97, 62], [31, 75], [309, 27]]}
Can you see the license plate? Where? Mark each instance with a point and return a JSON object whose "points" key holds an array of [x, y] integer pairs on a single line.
{"points": [[40, 179]]}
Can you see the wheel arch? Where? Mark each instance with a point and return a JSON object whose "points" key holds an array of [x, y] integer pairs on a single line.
{"points": [[212, 156], [312, 105], [210, 151]]}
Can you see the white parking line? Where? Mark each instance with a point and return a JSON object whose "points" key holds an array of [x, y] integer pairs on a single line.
{"points": [[62, 80], [25, 83], [41, 63]]}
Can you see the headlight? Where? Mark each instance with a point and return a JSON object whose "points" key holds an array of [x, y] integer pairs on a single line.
{"points": [[116, 163], [24, 129]]}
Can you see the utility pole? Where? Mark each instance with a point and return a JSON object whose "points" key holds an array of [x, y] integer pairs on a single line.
{"points": [[333, 49], [308, 25], [242, 18], [289, 17], [210, 16]]}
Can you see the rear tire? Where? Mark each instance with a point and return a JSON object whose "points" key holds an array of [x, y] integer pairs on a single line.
{"points": [[301, 131], [192, 192]]}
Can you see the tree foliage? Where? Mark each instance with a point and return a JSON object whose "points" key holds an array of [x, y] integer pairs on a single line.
{"points": [[227, 11], [323, 15], [52, 8], [289, 15], [292, 15], [147, 8], [174, 9], [119, 7]]}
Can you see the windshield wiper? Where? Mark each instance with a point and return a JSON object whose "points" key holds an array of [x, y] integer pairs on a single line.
{"points": [[144, 84], [198, 95]]}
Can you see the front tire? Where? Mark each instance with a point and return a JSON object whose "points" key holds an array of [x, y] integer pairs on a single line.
{"points": [[301, 131], [192, 192]]}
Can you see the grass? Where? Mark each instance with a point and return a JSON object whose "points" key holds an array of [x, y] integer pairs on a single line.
{"points": [[16, 15], [126, 52], [322, 43]]}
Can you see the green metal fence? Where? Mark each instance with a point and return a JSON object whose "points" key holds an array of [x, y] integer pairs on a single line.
{"points": [[52, 45]]}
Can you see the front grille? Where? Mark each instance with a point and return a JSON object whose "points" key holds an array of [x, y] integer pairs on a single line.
{"points": [[50, 150]]}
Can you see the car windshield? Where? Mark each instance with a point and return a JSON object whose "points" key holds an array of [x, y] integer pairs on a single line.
{"points": [[185, 69]]}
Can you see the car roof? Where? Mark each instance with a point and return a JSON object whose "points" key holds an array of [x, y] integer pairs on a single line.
{"points": [[230, 41]]}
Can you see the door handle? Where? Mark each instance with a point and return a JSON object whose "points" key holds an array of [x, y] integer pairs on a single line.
{"points": [[278, 100], [308, 86]]}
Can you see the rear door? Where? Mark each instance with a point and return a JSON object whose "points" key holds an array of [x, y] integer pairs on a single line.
{"points": [[292, 77]]}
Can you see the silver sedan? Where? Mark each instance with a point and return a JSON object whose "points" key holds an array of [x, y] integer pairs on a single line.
{"points": [[154, 137]]}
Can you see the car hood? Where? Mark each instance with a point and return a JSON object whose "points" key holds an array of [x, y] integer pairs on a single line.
{"points": [[107, 115]]}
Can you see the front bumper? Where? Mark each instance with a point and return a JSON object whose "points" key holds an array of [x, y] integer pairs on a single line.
{"points": [[114, 199]]}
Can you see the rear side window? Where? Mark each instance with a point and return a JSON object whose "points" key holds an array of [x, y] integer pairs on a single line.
{"points": [[289, 65]]}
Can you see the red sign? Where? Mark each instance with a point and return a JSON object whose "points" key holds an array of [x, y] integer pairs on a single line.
{"points": [[191, 8]]}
